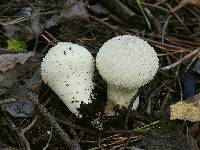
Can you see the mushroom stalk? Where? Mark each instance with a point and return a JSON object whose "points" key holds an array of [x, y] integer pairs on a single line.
{"points": [[126, 63], [119, 96]]}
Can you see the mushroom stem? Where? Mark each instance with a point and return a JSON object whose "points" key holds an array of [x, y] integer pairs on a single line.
{"points": [[119, 96]]}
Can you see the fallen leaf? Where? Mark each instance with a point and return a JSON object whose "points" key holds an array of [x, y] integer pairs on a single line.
{"points": [[19, 108], [11, 77], [8, 61], [16, 45], [75, 11], [23, 106], [185, 2], [35, 81], [18, 31], [10, 30], [99, 9], [71, 11]]}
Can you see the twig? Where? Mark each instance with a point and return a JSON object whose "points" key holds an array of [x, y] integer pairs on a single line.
{"points": [[126, 32], [70, 143], [179, 19], [165, 28], [130, 108], [186, 57], [19, 134], [118, 9], [193, 60], [7, 101], [160, 2], [47, 145], [23, 139], [68, 123], [140, 131], [31, 124], [180, 87], [155, 6], [49, 38]]}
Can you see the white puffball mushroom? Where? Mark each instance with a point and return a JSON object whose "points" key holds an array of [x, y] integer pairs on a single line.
{"points": [[126, 63], [68, 70]]}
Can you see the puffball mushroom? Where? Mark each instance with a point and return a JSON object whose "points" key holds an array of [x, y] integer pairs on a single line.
{"points": [[126, 63], [68, 70]]}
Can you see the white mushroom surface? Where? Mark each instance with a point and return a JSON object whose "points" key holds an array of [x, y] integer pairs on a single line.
{"points": [[68, 70], [126, 63]]}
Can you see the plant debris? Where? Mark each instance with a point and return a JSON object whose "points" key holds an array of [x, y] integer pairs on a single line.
{"points": [[8, 61], [33, 116]]}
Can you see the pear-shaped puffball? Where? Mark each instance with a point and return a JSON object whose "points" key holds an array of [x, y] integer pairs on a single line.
{"points": [[68, 70], [126, 63]]}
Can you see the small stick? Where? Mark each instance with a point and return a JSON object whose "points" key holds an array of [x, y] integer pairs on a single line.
{"points": [[7, 101], [70, 143], [146, 39], [49, 38], [186, 57], [30, 125], [130, 108], [47, 144], [70, 124], [19, 134]]}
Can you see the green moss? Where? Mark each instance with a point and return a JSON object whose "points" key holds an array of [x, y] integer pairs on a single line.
{"points": [[18, 46]]}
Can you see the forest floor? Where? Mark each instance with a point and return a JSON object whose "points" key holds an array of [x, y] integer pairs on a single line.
{"points": [[33, 117]]}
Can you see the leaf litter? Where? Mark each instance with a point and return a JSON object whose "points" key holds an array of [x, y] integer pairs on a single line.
{"points": [[24, 96]]}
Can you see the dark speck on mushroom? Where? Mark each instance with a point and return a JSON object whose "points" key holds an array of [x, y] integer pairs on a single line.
{"points": [[64, 52], [70, 48]]}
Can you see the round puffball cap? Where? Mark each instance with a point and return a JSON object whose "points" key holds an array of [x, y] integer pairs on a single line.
{"points": [[68, 69], [127, 61], [66, 59]]}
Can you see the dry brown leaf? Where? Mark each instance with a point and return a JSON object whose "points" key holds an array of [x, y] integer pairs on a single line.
{"points": [[8, 61], [185, 2], [75, 11], [10, 78], [71, 11]]}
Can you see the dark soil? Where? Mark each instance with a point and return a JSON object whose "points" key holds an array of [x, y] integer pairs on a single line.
{"points": [[90, 24]]}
